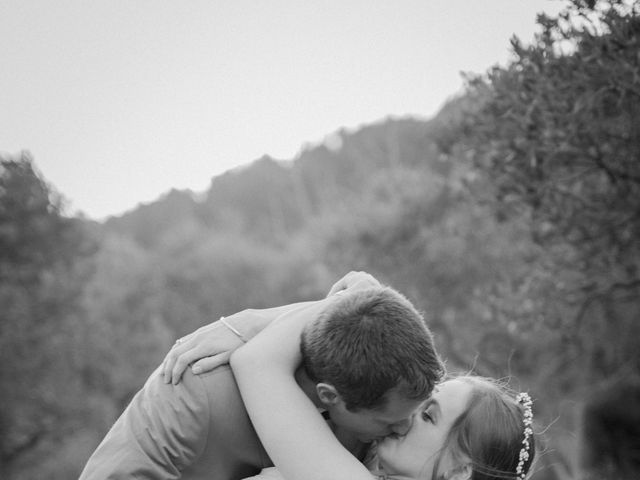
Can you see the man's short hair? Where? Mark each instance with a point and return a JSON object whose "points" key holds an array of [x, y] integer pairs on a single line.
{"points": [[368, 343]]}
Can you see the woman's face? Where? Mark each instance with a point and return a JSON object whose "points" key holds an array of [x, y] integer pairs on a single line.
{"points": [[414, 455]]}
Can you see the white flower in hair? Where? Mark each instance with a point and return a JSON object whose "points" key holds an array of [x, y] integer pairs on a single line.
{"points": [[525, 400]]}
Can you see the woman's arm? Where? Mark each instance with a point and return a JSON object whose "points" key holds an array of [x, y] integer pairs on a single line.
{"points": [[295, 435], [212, 345]]}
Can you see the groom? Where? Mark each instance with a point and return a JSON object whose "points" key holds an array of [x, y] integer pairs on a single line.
{"points": [[199, 428]]}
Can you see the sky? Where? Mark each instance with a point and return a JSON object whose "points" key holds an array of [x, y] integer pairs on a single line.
{"points": [[119, 101]]}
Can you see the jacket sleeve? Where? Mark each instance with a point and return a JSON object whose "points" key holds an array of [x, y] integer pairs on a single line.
{"points": [[162, 431]]}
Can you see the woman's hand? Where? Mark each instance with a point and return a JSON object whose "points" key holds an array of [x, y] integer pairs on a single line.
{"points": [[354, 281], [206, 348]]}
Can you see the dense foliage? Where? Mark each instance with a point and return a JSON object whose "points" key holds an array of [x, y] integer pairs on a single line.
{"points": [[39, 290], [512, 219]]}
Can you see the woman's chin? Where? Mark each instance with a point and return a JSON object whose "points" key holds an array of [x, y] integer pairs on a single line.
{"points": [[386, 445]]}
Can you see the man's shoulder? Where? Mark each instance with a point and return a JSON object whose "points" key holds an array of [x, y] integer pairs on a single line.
{"points": [[219, 377], [207, 390], [219, 386], [231, 430], [211, 400]]}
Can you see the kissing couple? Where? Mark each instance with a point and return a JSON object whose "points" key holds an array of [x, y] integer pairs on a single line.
{"points": [[349, 387]]}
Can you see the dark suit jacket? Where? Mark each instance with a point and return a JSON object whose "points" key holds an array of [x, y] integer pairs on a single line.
{"points": [[198, 429]]}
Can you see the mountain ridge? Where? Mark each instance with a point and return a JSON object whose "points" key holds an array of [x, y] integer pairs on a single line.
{"points": [[269, 197]]}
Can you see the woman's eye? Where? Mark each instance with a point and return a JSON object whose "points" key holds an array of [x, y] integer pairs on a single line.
{"points": [[426, 416]]}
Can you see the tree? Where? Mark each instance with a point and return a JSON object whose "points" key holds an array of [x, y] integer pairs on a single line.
{"points": [[558, 133], [556, 136], [39, 286]]}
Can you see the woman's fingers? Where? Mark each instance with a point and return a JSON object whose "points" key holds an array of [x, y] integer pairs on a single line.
{"points": [[361, 281], [182, 346], [169, 361], [341, 284], [185, 359], [180, 365], [209, 363], [354, 280]]}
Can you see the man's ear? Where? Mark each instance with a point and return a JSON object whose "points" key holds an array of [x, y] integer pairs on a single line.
{"points": [[461, 472], [327, 394]]}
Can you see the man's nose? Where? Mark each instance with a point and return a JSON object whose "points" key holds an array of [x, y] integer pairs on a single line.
{"points": [[402, 427]]}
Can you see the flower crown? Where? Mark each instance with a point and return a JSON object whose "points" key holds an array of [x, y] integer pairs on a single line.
{"points": [[525, 400]]}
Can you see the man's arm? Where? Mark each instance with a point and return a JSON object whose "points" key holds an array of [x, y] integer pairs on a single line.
{"points": [[162, 431]]}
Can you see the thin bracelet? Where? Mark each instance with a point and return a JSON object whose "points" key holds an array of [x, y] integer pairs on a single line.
{"points": [[238, 334]]}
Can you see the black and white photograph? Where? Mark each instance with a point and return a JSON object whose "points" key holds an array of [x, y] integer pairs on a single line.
{"points": [[320, 240]]}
